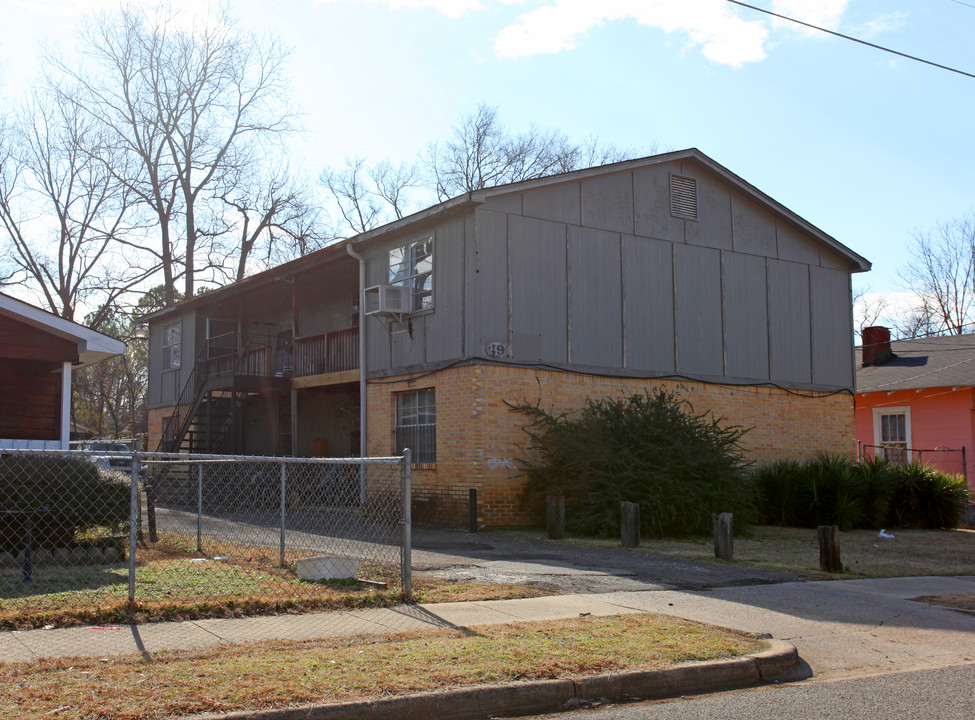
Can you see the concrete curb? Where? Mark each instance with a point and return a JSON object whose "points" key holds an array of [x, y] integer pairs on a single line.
{"points": [[546, 696]]}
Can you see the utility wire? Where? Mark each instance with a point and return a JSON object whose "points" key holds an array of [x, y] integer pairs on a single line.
{"points": [[959, 2], [853, 39]]}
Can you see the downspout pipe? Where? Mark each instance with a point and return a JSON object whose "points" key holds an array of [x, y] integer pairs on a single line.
{"points": [[362, 349]]}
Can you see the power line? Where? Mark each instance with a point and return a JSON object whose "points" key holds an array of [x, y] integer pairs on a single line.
{"points": [[959, 2], [853, 39]]}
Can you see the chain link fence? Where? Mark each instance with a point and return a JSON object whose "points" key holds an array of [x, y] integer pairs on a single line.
{"points": [[948, 460], [120, 537]]}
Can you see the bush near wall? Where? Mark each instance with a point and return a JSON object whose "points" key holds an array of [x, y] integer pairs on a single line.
{"points": [[832, 490], [65, 496], [651, 449]]}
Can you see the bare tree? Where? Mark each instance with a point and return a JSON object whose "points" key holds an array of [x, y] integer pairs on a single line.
{"points": [[185, 111], [61, 209], [110, 396], [482, 153], [868, 309], [365, 196], [941, 275], [276, 220]]}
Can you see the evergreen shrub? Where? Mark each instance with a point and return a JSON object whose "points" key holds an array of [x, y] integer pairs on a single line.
{"points": [[65, 496], [833, 490], [651, 449]]}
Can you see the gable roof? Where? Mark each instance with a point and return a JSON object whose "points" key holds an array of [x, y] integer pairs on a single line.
{"points": [[857, 262], [947, 361], [93, 346], [472, 199]]}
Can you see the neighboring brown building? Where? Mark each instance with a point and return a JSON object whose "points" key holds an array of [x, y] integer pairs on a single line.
{"points": [[38, 351], [668, 271]]}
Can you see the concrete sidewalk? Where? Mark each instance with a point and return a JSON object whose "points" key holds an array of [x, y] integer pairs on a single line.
{"points": [[839, 627]]}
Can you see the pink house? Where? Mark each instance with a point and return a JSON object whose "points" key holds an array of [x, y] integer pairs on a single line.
{"points": [[915, 400]]}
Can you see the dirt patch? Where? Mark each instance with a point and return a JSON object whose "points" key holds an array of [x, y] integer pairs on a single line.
{"points": [[957, 601]]}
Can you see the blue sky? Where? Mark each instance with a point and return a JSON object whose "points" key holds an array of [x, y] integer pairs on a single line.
{"points": [[867, 146]]}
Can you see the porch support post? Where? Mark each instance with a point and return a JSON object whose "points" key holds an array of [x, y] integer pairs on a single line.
{"points": [[294, 423], [65, 405], [363, 436]]}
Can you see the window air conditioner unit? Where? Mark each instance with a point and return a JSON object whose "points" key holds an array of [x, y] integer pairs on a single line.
{"points": [[386, 300]]}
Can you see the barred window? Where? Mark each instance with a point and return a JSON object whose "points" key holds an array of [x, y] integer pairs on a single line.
{"points": [[412, 266], [416, 424], [172, 346]]}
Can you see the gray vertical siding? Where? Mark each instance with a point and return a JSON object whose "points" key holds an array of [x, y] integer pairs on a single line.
{"points": [[697, 279], [596, 273], [595, 298], [539, 292], [489, 278], [165, 385], [745, 313], [829, 295], [648, 287], [790, 349]]}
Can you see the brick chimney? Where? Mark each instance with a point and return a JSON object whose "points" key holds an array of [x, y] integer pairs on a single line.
{"points": [[876, 346]]}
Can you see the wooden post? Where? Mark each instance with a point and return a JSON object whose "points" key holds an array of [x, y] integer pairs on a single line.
{"points": [[472, 509], [630, 524], [724, 540], [555, 516], [829, 548]]}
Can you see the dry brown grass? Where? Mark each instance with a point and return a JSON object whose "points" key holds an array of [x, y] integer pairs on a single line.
{"points": [[284, 674], [908, 553]]}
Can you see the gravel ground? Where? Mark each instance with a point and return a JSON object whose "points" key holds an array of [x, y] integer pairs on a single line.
{"points": [[509, 558]]}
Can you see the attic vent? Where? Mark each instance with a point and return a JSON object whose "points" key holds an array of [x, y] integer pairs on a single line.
{"points": [[683, 197]]}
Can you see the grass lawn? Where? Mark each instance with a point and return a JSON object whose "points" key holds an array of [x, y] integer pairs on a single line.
{"points": [[266, 675], [909, 552]]}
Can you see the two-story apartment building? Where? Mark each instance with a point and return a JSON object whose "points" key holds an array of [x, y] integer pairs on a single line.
{"points": [[667, 271]]}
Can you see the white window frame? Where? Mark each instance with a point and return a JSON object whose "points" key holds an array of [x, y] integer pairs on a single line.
{"points": [[878, 440], [172, 345], [408, 424], [412, 267]]}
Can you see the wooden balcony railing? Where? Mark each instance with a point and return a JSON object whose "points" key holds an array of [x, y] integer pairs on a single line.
{"points": [[333, 352]]}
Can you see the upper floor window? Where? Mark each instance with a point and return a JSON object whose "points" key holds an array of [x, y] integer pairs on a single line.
{"points": [[412, 266], [172, 345]]}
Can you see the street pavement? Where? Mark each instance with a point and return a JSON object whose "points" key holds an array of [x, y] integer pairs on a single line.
{"points": [[942, 693], [840, 628]]}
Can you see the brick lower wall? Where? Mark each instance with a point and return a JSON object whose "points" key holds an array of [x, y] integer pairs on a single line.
{"points": [[157, 418], [479, 438]]}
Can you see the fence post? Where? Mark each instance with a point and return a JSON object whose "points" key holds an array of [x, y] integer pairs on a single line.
{"points": [[133, 519], [407, 553], [722, 526], [472, 510], [555, 516], [150, 496], [829, 548], [199, 507], [629, 524], [283, 509], [28, 550]]}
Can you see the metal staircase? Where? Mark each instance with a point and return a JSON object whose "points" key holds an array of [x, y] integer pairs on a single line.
{"points": [[207, 415]]}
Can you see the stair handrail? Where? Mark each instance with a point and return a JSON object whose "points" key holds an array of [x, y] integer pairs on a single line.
{"points": [[187, 397]]}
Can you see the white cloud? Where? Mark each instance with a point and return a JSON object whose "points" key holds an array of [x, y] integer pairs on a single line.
{"points": [[822, 13], [882, 24], [450, 8], [711, 25]]}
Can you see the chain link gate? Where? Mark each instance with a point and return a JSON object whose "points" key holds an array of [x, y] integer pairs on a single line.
{"points": [[197, 535]]}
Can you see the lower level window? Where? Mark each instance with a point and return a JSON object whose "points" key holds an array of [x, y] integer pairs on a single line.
{"points": [[892, 432], [416, 424]]}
